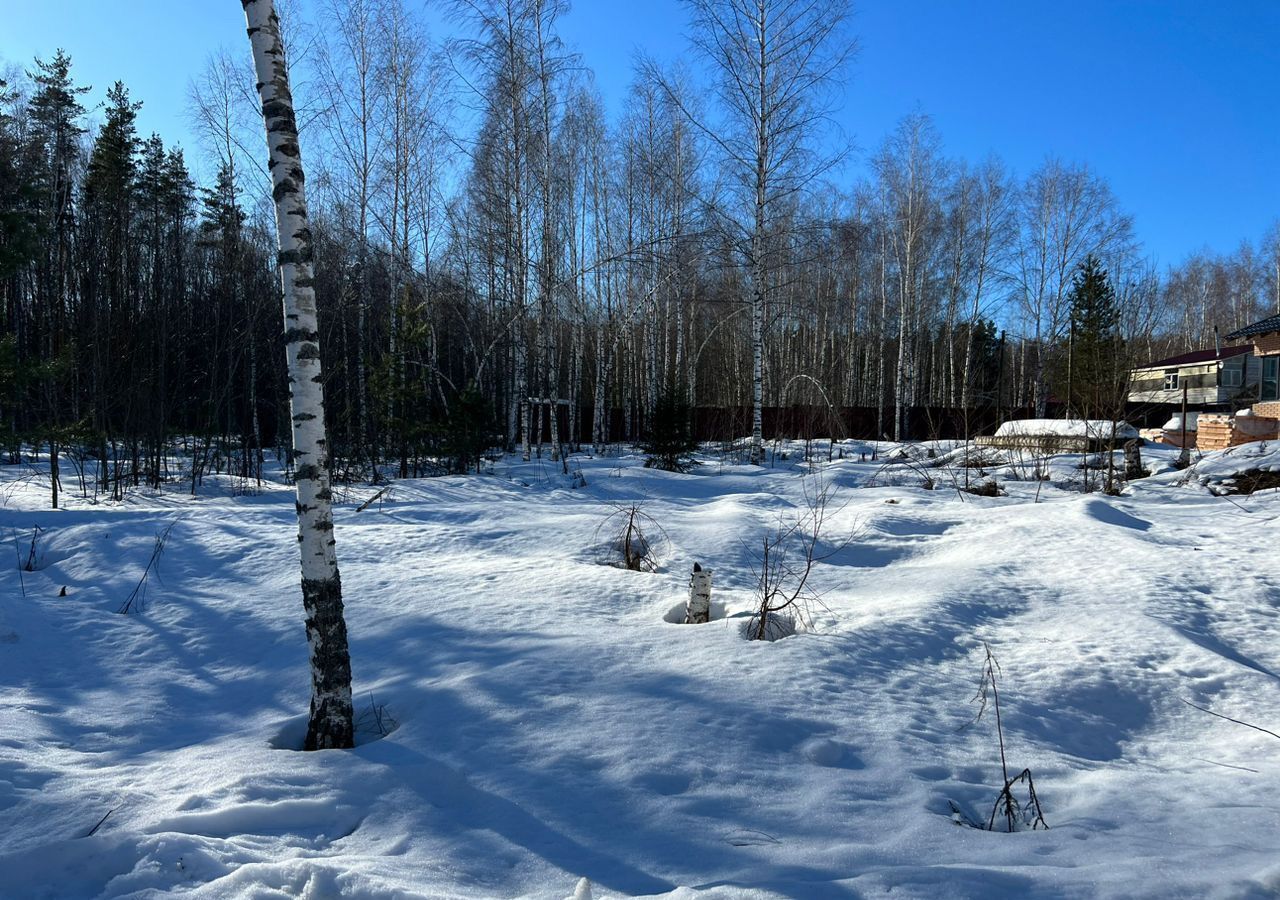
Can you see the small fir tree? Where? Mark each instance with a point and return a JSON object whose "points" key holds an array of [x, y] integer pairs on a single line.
{"points": [[467, 430], [670, 444], [1096, 366]]}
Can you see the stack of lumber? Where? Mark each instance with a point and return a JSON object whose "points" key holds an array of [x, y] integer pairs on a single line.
{"points": [[1174, 436], [1245, 429], [1214, 431]]}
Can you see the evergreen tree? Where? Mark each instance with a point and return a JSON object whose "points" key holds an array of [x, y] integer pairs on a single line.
{"points": [[113, 163], [983, 340], [670, 444], [467, 431], [55, 112], [1096, 368], [163, 199], [53, 148], [109, 284]]}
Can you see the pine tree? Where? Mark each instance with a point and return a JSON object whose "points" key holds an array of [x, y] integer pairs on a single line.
{"points": [[109, 284], [17, 249], [17, 204], [55, 112], [163, 200]]}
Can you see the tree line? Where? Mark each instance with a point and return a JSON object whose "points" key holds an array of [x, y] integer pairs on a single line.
{"points": [[499, 260]]}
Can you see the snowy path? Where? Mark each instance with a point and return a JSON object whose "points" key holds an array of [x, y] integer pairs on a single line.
{"points": [[553, 725]]}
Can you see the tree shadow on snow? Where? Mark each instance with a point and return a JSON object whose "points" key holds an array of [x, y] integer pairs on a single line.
{"points": [[451, 792], [497, 702]]}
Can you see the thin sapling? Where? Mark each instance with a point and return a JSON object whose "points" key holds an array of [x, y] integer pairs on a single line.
{"points": [[1016, 814]]}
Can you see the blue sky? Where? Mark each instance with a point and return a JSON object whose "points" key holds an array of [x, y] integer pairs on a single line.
{"points": [[1173, 101]]}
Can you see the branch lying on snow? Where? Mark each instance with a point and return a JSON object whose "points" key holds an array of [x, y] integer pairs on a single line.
{"points": [[366, 504], [95, 828], [1229, 719], [1225, 765], [750, 837]]}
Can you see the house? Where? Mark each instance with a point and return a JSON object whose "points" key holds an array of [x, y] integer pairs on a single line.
{"points": [[1264, 338], [1261, 420], [1220, 378]]}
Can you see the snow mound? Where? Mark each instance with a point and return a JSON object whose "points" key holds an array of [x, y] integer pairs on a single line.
{"points": [[1242, 469]]}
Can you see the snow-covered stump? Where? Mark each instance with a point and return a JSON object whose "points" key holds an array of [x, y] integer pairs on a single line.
{"points": [[698, 610]]}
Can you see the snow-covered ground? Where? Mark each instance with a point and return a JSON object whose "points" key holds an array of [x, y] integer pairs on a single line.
{"points": [[553, 724]]}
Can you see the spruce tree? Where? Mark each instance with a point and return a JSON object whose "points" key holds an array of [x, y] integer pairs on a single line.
{"points": [[669, 444], [468, 430], [1096, 364]]}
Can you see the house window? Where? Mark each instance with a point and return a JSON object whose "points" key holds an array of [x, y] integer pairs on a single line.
{"points": [[1270, 389], [1232, 377], [1171, 380]]}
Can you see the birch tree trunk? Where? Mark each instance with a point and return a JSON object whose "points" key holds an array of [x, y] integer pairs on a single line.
{"points": [[598, 415], [759, 223], [331, 722], [698, 609]]}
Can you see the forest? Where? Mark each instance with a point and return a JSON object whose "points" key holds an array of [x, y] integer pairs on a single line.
{"points": [[500, 262]]}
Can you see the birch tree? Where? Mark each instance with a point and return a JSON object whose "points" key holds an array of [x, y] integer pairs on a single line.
{"points": [[1067, 212], [774, 63], [355, 108], [500, 177], [331, 723], [910, 169], [992, 232]]}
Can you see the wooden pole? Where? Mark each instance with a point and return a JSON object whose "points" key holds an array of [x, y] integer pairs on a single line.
{"points": [[1184, 458]]}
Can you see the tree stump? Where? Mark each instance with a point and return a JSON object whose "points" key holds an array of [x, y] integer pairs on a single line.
{"points": [[1133, 461], [698, 609]]}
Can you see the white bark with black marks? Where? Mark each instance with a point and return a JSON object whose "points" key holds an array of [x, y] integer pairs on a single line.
{"points": [[698, 610], [331, 722]]}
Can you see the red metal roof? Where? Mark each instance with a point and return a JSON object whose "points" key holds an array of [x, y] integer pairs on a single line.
{"points": [[1199, 356]]}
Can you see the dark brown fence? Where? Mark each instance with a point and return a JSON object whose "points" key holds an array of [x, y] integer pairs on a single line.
{"points": [[857, 422]]}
